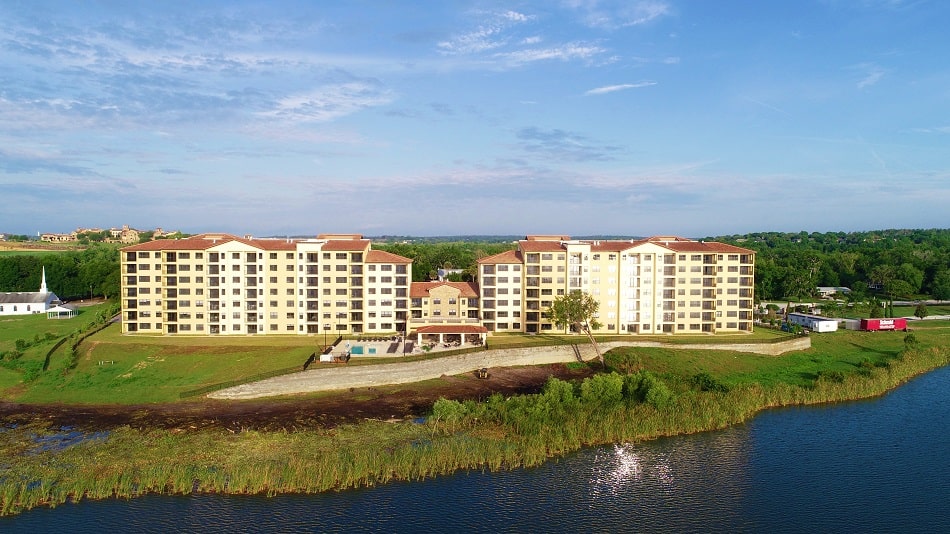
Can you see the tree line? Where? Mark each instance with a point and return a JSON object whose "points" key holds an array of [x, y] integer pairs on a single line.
{"points": [[895, 264], [72, 275], [428, 257]]}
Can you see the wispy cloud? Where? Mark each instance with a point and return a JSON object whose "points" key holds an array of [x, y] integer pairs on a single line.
{"points": [[613, 15], [328, 103], [766, 105], [614, 88], [564, 146], [871, 74], [489, 35], [567, 52]]}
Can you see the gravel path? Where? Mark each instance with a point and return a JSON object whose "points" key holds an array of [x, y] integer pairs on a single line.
{"points": [[345, 376]]}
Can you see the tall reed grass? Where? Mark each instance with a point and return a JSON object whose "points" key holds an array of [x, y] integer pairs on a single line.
{"points": [[499, 433]]}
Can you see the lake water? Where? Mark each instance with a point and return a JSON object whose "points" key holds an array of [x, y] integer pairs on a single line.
{"points": [[881, 465]]}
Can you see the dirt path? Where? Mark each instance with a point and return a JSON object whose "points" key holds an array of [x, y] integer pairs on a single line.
{"points": [[294, 413], [345, 376]]}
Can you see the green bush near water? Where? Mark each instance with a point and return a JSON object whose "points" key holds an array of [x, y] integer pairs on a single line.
{"points": [[498, 433]]}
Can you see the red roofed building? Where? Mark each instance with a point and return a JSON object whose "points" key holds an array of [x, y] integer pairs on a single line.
{"points": [[223, 284], [662, 284], [337, 284], [444, 303]]}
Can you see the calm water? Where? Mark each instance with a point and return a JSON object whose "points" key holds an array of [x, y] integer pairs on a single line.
{"points": [[881, 465]]}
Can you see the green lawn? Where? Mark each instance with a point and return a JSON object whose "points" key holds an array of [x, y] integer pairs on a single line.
{"points": [[27, 327], [129, 369], [908, 311], [116, 368], [843, 351]]}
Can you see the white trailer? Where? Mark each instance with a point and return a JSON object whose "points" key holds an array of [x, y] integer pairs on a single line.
{"points": [[815, 323]]}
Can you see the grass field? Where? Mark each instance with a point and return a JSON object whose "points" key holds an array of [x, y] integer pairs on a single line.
{"points": [[110, 367], [497, 433]]}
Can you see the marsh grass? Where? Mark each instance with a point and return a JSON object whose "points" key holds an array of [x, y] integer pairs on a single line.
{"points": [[499, 433]]}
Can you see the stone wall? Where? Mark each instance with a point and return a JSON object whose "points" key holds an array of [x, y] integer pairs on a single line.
{"points": [[345, 377]]}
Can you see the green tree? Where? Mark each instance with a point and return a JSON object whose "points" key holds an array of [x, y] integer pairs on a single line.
{"points": [[920, 311], [577, 310], [940, 288]]}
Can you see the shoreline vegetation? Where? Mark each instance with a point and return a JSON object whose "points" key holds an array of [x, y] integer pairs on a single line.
{"points": [[642, 394]]}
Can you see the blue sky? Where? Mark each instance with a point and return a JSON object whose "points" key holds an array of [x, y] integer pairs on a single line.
{"points": [[633, 117]]}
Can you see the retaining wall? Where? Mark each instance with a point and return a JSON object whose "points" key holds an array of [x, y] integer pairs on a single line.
{"points": [[345, 377]]}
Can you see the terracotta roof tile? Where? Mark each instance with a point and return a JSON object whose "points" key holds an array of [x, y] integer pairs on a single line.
{"points": [[381, 256], [421, 289], [540, 246], [348, 245], [206, 241], [509, 256], [710, 247]]}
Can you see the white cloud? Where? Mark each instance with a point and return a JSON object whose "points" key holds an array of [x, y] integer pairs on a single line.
{"points": [[328, 102], [566, 52], [488, 36], [872, 74], [515, 16], [613, 88], [613, 15]]}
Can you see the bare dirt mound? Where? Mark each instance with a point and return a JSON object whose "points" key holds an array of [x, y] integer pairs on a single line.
{"points": [[299, 412]]}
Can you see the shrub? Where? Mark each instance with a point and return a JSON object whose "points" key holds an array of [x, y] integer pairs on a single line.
{"points": [[448, 411], [707, 382], [606, 390], [659, 395], [833, 376], [910, 341], [559, 392], [645, 387]]}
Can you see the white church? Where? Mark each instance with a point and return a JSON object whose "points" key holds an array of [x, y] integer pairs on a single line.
{"points": [[25, 303]]}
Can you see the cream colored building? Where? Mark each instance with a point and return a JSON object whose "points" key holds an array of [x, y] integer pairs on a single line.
{"points": [[650, 286], [336, 284], [444, 303], [223, 284]]}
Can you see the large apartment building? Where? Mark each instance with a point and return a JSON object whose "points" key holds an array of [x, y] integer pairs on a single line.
{"points": [[222, 284], [649, 286]]}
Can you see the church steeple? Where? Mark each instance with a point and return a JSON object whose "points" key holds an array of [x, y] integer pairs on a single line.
{"points": [[43, 282]]}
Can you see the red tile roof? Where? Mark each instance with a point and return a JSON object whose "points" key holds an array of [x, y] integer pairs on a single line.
{"points": [[509, 256], [195, 242], [340, 236], [349, 245], [547, 238], [206, 241], [540, 246], [613, 246], [381, 256], [681, 244], [421, 289]]}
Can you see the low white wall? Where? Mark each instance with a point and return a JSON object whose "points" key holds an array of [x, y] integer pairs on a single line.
{"points": [[345, 377]]}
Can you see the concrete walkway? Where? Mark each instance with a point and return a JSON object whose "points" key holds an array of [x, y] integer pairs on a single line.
{"points": [[345, 377]]}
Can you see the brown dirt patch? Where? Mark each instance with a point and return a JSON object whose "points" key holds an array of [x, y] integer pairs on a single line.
{"points": [[296, 412]]}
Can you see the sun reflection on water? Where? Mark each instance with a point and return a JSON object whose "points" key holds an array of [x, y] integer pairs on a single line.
{"points": [[625, 466]]}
